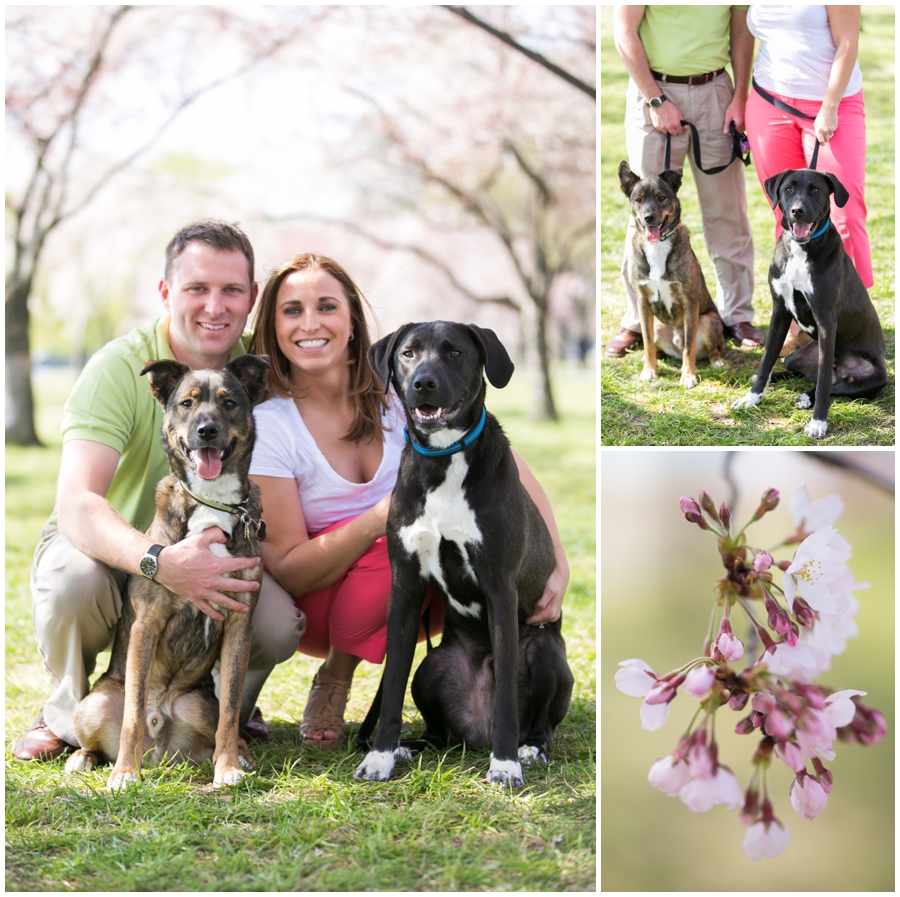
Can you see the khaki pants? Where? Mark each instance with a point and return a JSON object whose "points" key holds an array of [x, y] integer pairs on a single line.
{"points": [[722, 197], [77, 605]]}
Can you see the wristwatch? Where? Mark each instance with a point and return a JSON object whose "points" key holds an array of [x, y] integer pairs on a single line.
{"points": [[149, 563], [656, 102]]}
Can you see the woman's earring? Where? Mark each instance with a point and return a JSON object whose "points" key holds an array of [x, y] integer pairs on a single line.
{"points": [[351, 338]]}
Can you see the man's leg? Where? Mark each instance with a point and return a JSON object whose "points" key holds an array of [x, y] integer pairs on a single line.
{"points": [[77, 603]]}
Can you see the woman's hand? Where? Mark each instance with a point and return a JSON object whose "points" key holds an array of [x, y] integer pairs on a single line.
{"points": [[549, 605], [825, 124]]}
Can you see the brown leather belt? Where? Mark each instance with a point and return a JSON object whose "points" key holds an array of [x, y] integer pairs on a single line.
{"points": [[686, 79]]}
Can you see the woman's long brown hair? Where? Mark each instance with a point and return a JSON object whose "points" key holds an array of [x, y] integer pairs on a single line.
{"points": [[366, 390]]}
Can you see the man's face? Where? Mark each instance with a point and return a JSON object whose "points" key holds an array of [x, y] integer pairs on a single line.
{"points": [[209, 297]]}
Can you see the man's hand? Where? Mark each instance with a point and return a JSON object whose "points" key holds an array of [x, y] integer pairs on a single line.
{"points": [[735, 113], [190, 569], [666, 118]]}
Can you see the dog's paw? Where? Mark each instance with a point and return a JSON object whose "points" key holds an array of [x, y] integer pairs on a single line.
{"points": [[648, 374], [717, 363], [532, 755], [82, 761], [120, 779], [816, 429], [750, 400], [377, 767], [689, 381], [227, 777], [803, 401], [403, 753], [507, 773]]}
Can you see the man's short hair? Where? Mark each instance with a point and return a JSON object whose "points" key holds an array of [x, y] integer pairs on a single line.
{"points": [[220, 235]]}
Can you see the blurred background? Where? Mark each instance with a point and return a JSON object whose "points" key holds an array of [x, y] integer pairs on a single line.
{"points": [[657, 577], [444, 155]]}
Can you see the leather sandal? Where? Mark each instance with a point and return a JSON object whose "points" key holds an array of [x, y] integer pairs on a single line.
{"points": [[322, 716]]}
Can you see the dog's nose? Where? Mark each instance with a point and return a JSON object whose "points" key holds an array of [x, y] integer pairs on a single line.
{"points": [[207, 431], [424, 379]]}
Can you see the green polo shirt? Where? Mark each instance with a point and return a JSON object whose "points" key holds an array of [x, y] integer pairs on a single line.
{"points": [[111, 403], [687, 40]]}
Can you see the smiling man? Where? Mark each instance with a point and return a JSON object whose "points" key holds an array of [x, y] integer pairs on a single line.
{"points": [[112, 460]]}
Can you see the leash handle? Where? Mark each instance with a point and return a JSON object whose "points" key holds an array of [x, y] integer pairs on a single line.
{"points": [[784, 107], [738, 142]]}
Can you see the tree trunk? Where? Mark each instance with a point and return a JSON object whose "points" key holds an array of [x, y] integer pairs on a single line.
{"points": [[20, 429], [535, 319]]}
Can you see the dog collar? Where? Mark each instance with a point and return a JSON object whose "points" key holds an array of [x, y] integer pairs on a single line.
{"points": [[237, 510], [665, 237], [454, 447], [818, 233]]}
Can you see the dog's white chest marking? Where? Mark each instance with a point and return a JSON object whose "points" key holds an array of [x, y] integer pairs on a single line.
{"points": [[447, 515], [795, 276], [657, 255]]}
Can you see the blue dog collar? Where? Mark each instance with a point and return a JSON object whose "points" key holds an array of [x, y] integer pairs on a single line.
{"points": [[818, 233], [454, 447]]}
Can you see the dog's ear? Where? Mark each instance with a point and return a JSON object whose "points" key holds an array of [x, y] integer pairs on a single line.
{"points": [[498, 366], [773, 185], [627, 178], [381, 354], [252, 371], [672, 177], [837, 188], [164, 375]]}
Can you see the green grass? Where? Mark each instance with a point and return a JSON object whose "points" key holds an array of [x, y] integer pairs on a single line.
{"points": [[301, 822], [663, 413]]}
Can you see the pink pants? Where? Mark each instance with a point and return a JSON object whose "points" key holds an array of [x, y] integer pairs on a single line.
{"points": [[780, 141], [351, 614]]}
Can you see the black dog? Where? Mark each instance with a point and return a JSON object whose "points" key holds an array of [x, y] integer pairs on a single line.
{"points": [[159, 688], [461, 520], [813, 281]]}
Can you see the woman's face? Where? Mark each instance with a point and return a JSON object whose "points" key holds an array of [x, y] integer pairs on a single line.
{"points": [[313, 323]]}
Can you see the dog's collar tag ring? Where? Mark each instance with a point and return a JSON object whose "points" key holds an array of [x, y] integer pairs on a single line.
{"points": [[238, 510], [453, 448]]}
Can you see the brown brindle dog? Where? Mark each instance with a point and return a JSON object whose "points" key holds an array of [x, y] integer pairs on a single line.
{"points": [[668, 280], [159, 687]]}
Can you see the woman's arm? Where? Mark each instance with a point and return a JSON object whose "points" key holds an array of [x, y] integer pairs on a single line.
{"points": [[301, 564], [549, 605], [844, 24]]}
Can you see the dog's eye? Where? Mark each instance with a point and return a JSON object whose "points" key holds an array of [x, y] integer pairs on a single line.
{"points": [[407, 353], [187, 403], [229, 404], [815, 189], [455, 353]]}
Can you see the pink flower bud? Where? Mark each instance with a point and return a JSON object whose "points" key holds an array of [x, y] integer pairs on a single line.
{"points": [[745, 726], [803, 614], [768, 502], [699, 681], [725, 515], [808, 797], [669, 775], [738, 701], [778, 725], [762, 560], [691, 511], [731, 646], [763, 702], [777, 619], [708, 505]]}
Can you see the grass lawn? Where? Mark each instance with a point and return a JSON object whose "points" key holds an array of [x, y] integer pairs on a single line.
{"points": [[301, 822], [661, 412]]}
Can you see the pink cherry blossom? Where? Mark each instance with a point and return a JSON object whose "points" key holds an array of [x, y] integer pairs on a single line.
{"points": [[699, 681], [635, 678], [808, 797], [839, 708], [700, 795], [815, 734], [669, 775], [730, 646], [778, 725], [653, 716], [786, 660], [816, 515], [766, 839], [762, 560], [819, 561], [788, 752]]}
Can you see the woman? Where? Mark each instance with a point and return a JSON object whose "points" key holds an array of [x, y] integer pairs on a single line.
{"points": [[327, 453], [807, 60]]}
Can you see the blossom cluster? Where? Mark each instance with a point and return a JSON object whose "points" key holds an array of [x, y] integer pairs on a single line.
{"points": [[796, 628]]}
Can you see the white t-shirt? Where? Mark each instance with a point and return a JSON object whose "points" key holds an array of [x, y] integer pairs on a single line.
{"points": [[796, 51], [285, 448]]}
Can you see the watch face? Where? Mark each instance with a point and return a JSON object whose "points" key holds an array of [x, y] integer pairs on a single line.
{"points": [[148, 566]]}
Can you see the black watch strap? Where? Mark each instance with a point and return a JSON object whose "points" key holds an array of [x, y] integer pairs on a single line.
{"points": [[148, 563]]}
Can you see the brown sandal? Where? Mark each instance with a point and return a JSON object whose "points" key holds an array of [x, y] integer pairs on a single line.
{"points": [[321, 715]]}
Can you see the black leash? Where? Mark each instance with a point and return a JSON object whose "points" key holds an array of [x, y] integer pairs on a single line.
{"points": [[364, 733], [784, 107], [740, 149]]}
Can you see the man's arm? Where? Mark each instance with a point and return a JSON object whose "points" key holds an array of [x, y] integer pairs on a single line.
{"points": [[626, 22], [741, 65], [93, 526]]}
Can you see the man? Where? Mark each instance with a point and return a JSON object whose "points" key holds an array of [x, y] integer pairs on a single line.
{"points": [[112, 460], [675, 57]]}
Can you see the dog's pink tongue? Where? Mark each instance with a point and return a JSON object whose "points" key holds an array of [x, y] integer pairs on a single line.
{"points": [[652, 234], [801, 229], [209, 465]]}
